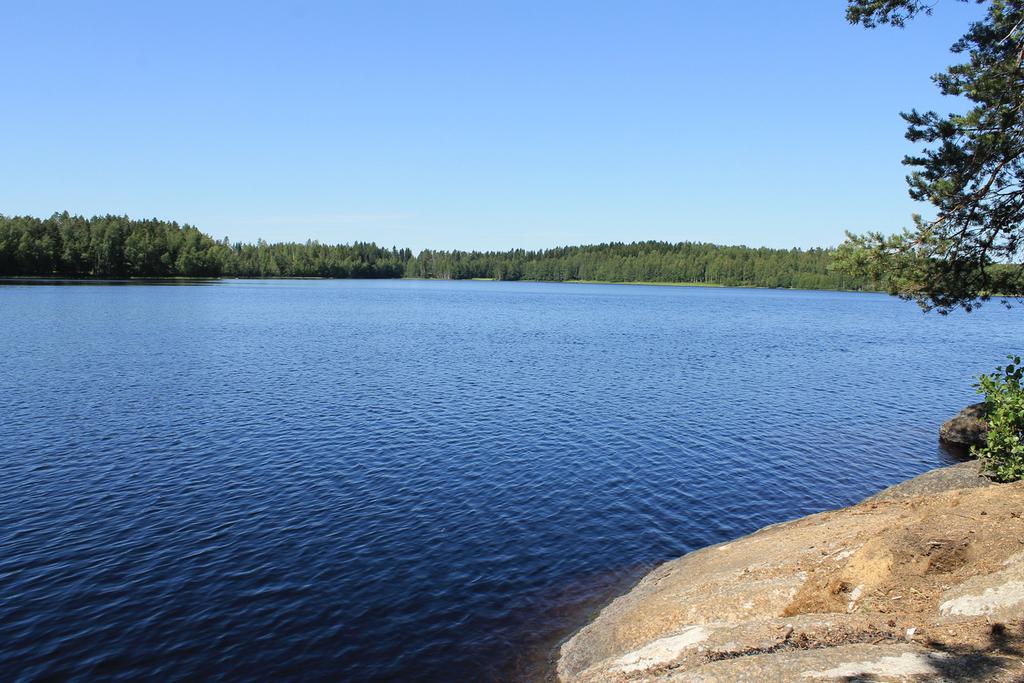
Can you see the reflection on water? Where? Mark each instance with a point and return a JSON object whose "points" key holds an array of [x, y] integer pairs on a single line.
{"points": [[60, 282], [951, 453]]}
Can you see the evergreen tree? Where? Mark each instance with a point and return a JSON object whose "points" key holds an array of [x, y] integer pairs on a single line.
{"points": [[971, 170]]}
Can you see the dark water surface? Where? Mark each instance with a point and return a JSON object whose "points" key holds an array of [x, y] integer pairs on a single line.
{"points": [[396, 480]]}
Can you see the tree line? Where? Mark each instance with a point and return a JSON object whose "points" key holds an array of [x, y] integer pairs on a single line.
{"points": [[117, 246], [643, 262]]}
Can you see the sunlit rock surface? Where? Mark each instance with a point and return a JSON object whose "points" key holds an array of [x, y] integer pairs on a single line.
{"points": [[922, 582]]}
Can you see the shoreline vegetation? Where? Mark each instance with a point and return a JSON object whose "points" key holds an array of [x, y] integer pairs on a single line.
{"points": [[118, 247]]}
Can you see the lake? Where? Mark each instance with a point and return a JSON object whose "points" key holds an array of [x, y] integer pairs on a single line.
{"points": [[423, 480]]}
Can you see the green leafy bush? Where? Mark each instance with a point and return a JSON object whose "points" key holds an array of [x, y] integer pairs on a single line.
{"points": [[1003, 454]]}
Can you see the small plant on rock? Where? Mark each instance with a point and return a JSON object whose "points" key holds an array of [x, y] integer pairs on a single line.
{"points": [[1003, 454]]}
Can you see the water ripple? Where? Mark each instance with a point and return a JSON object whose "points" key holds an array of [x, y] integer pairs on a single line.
{"points": [[421, 481]]}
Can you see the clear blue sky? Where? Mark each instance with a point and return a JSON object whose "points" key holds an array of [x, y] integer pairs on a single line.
{"points": [[469, 124]]}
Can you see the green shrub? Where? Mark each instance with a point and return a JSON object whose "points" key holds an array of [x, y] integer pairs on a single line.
{"points": [[1003, 454]]}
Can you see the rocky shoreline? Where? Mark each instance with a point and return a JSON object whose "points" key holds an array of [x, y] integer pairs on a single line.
{"points": [[967, 428], [923, 581]]}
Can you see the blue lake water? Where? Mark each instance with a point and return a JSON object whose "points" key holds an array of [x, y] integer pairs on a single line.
{"points": [[401, 480]]}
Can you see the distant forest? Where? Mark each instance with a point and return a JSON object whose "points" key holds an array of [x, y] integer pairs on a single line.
{"points": [[116, 246]]}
